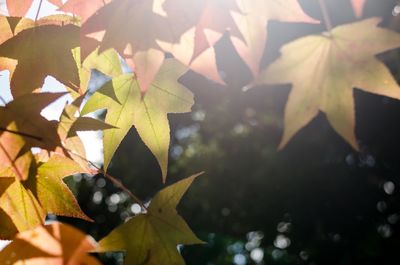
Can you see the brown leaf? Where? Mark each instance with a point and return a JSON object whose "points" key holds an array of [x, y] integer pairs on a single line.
{"points": [[138, 45], [25, 111], [42, 51]]}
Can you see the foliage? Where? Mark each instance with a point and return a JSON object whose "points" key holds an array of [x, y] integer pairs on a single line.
{"points": [[110, 37]]}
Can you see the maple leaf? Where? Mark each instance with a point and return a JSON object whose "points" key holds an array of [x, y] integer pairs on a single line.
{"points": [[138, 45], [83, 8], [18, 8], [55, 244], [325, 68], [27, 202], [42, 51], [152, 237], [207, 21], [252, 23], [108, 62], [21, 209], [25, 111], [73, 144], [126, 108], [52, 193], [6, 224], [358, 7], [72, 124], [68, 127]]}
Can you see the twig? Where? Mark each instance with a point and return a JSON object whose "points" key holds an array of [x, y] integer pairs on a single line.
{"points": [[114, 180], [38, 11], [119, 184], [325, 15]]}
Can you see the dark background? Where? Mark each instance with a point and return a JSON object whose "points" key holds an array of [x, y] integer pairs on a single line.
{"points": [[315, 202]]}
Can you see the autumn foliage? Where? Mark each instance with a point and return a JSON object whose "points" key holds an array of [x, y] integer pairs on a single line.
{"points": [[144, 47]]}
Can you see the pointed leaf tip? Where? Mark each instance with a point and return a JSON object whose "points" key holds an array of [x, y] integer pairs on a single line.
{"points": [[335, 65], [152, 237]]}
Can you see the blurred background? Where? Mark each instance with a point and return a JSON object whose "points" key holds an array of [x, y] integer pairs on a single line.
{"points": [[315, 202]]}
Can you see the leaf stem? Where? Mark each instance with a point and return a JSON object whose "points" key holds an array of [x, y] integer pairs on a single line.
{"points": [[38, 10], [114, 180], [325, 15], [119, 184]]}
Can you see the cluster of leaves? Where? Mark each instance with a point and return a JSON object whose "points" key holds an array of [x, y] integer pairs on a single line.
{"points": [[178, 36]]}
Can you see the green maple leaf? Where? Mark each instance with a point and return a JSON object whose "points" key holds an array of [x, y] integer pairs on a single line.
{"points": [[52, 193], [324, 70], [126, 108], [108, 62], [27, 202], [21, 209], [152, 238], [70, 123]]}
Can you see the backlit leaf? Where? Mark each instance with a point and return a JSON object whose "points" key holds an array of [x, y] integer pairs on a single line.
{"points": [[26, 203], [324, 70], [53, 244], [12, 157], [126, 108], [152, 237], [25, 111], [18, 8], [206, 21], [252, 23], [138, 45]]}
